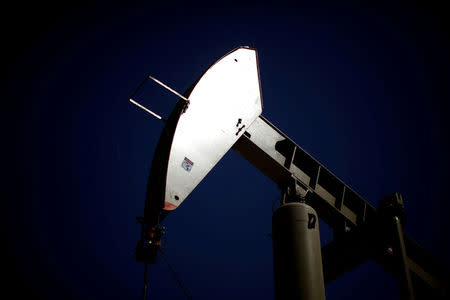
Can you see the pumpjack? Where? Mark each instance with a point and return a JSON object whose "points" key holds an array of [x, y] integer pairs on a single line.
{"points": [[222, 111]]}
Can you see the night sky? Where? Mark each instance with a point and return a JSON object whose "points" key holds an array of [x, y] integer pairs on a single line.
{"points": [[363, 88]]}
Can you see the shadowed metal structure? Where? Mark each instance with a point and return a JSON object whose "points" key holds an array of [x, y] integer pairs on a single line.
{"points": [[222, 111]]}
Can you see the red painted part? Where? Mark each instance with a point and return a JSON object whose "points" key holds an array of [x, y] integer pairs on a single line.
{"points": [[169, 206]]}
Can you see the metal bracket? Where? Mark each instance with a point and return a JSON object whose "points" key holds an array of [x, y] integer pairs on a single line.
{"points": [[294, 191], [150, 242]]}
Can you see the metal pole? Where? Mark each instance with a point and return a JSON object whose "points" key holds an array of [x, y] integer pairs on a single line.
{"points": [[405, 284], [393, 215], [297, 258], [144, 291]]}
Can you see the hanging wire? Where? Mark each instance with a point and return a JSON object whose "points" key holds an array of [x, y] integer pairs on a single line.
{"points": [[174, 274]]}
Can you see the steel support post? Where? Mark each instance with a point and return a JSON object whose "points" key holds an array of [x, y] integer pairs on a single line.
{"points": [[297, 258], [405, 284], [393, 219]]}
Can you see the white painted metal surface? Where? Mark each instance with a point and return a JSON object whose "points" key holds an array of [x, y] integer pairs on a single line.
{"points": [[223, 104]]}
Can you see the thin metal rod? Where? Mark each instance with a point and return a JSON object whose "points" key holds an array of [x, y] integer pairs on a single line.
{"points": [[144, 292], [406, 288], [168, 88], [147, 110]]}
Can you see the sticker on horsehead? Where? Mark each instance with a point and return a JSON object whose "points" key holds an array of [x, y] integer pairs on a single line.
{"points": [[187, 164]]}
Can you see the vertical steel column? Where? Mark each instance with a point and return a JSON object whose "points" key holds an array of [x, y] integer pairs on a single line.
{"points": [[297, 258], [144, 291], [405, 283], [393, 218]]}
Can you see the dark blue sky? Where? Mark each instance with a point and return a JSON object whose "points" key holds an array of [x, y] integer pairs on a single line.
{"points": [[362, 88]]}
